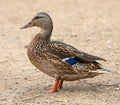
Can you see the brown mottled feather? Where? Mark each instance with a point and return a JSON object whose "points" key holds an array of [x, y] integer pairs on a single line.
{"points": [[64, 50]]}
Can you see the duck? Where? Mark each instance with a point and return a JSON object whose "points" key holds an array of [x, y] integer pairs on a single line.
{"points": [[58, 59]]}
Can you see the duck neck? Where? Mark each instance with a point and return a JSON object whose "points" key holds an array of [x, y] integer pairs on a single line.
{"points": [[46, 33]]}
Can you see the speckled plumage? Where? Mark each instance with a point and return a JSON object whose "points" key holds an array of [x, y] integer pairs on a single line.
{"points": [[50, 56]]}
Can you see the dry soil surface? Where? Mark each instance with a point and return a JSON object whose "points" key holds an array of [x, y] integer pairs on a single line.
{"points": [[92, 26]]}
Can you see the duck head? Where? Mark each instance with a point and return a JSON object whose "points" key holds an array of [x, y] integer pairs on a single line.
{"points": [[41, 20]]}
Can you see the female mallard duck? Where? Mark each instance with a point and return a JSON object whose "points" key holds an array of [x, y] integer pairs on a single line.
{"points": [[57, 59]]}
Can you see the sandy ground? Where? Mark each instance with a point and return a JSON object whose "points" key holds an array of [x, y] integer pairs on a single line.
{"points": [[92, 26]]}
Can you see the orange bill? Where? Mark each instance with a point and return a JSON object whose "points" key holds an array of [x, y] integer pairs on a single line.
{"points": [[28, 25]]}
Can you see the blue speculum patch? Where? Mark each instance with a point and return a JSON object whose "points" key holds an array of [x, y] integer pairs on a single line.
{"points": [[71, 61]]}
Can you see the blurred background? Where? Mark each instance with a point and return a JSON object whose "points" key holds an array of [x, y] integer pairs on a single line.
{"points": [[91, 26]]}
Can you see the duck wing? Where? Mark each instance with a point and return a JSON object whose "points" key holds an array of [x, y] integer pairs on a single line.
{"points": [[63, 50]]}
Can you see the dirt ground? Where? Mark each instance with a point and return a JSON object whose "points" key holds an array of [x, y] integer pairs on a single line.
{"points": [[92, 26]]}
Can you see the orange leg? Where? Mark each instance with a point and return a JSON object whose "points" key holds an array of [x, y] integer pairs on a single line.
{"points": [[60, 84], [54, 88]]}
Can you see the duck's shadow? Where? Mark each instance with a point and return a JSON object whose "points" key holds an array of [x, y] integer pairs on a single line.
{"points": [[80, 87], [92, 87]]}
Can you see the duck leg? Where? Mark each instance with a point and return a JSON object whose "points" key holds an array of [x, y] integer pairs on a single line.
{"points": [[54, 88], [60, 84]]}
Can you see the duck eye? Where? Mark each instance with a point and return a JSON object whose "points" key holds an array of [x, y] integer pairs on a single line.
{"points": [[36, 17]]}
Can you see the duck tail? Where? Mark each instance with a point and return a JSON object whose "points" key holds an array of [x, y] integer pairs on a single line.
{"points": [[93, 74], [107, 70], [99, 66]]}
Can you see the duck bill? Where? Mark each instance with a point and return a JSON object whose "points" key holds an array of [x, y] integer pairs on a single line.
{"points": [[28, 25]]}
